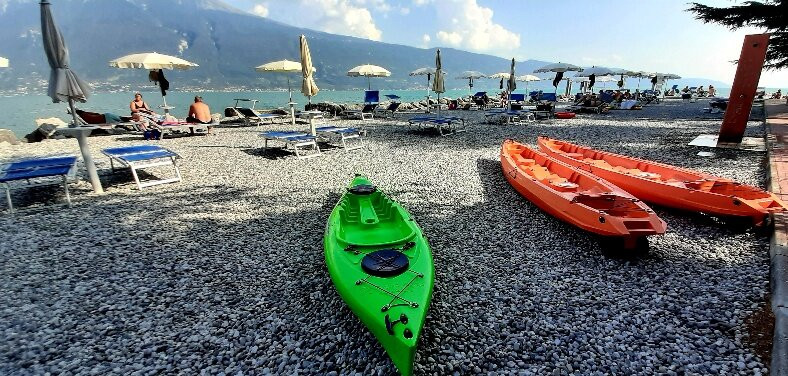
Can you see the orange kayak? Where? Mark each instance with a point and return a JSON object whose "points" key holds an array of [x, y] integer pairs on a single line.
{"points": [[576, 196], [668, 185]]}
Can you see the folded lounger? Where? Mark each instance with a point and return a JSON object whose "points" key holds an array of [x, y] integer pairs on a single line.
{"points": [[298, 141], [36, 172], [345, 134], [439, 122], [143, 156]]}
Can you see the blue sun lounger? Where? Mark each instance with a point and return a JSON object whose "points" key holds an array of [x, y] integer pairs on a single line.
{"points": [[298, 141], [439, 122], [345, 134], [36, 172], [143, 156]]}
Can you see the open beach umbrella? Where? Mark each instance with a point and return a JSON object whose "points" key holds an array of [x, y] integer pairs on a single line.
{"points": [[426, 71], [154, 62], [64, 85], [596, 71], [527, 78], [368, 70], [282, 66], [438, 84], [3, 62], [470, 76], [308, 85], [559, 68]]}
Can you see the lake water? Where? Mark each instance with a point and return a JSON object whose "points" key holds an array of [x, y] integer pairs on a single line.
{"points": [[19, 112]]}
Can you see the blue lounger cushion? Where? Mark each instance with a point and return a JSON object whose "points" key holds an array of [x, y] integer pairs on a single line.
{"points": [[36, 168], [336, 129], [282, 134], [139, 153]]}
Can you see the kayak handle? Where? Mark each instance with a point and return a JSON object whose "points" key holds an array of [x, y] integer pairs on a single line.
{"points": [[390, 324]]}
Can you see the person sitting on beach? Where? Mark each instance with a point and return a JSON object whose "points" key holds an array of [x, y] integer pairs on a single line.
{"points": [[778, 94], [685, 90], [712, 91], [199, 113], [701, 92], [138, 106]]}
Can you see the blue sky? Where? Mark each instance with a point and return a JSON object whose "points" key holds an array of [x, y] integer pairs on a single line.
{"points": [[650, 35]]}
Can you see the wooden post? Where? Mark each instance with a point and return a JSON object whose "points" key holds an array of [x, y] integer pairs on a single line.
{"points": [[748, 73]]}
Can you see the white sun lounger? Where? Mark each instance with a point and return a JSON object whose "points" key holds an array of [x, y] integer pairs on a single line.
{"points": [[37, 172], [300, 142], [345, 134], [144, 156]]}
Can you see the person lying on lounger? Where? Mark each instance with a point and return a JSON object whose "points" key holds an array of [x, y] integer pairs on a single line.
{"points": [[200, 113]]}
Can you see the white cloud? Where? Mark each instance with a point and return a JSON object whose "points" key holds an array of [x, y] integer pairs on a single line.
{"points": [[419, 3], [403, 11], [345, 17], [260, 10], [472, 27], [425, 40], [183, 46]]}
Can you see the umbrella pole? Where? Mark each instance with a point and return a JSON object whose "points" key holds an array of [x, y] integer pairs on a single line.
{"points": [[82, 140], [428, 90], [166, 109], [369, 84], [290, 89]]}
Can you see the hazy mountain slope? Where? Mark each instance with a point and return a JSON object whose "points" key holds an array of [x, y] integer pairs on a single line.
{"points": [[225, 42]]}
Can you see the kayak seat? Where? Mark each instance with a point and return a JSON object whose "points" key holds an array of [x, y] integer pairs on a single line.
{"points": [[522, 161], [372, 220], [577, 156], [563, 185], [540, 173], [599, 163]]}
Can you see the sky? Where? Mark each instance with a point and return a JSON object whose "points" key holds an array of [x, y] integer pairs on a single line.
{"points": [[647, 35]]}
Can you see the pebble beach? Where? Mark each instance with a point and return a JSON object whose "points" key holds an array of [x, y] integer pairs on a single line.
{"points": [[224, 272]]}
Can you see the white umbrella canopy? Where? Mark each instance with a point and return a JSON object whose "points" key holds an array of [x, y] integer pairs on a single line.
{"points": [[152, 61], [470, 76], [426, 71], [597, 71], [528, 78], [559, 68], [500, 75], [3, 62], [281, 66], [368, 70]]}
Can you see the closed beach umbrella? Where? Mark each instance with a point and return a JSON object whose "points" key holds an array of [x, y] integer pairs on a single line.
{"points": [[426, 71], [470, 76], [308, 85], [368, 70], [511, 84], [282, 66], [438, 84], [64, 85], [3, 62], [152, 61]]}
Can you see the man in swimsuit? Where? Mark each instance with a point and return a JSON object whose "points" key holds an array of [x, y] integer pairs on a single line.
{"points": [[200, 113]]}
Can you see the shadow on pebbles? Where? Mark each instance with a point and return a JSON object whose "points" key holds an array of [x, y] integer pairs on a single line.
{"points": [[224, 272]]}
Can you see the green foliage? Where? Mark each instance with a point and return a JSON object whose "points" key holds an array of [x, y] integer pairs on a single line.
{"points": [[771, 15]]}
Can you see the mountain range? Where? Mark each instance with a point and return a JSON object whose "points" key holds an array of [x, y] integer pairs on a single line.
{"points": [[226, 42]]}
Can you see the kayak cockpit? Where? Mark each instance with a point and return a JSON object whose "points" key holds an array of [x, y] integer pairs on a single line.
{"points": [[370, 218]]}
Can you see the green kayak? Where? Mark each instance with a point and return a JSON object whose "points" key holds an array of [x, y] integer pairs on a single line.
{"points": [[382, 267]]}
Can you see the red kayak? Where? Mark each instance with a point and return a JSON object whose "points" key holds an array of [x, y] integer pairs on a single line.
{"points": [[668, 185], [576, 196]]}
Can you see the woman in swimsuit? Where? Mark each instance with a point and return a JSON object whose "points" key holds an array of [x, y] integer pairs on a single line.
{"points": [[138, 105]]}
